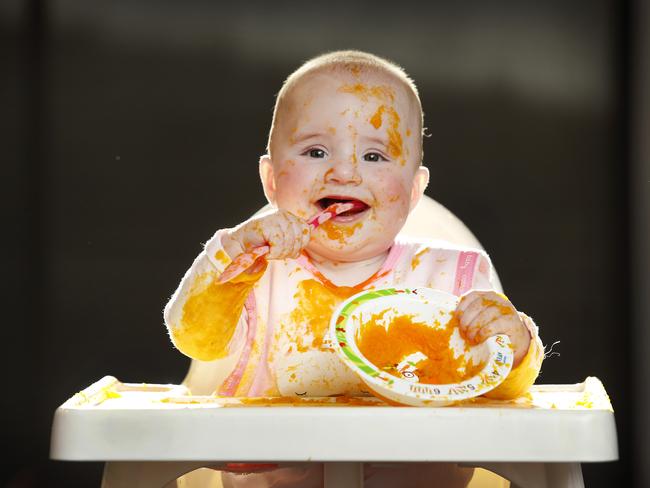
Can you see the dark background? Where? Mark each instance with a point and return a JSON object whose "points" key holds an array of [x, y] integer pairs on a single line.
{"points": [[131, 131]]}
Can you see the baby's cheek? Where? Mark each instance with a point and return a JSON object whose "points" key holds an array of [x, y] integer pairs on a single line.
{"points": [[289, 178], [395, 194]]}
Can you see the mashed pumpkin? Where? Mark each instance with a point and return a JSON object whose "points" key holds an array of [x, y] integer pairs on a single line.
{"points": [[386, 346]]}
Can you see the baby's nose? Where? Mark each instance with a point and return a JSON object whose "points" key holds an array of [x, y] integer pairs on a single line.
{"points": [[343, 171]]}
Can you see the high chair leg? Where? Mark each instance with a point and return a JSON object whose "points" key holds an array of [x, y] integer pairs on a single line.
{"points": [[564, 474], [343, 475], [149, 474], [537, 475]]}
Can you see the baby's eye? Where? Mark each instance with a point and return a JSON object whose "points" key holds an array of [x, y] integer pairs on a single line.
{"points": [[374, 157], [315, 153]]}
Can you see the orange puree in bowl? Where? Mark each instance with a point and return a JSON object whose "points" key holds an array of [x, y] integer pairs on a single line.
{"points": [[386, 347]]}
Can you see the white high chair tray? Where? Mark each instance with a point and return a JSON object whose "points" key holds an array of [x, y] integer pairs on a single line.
{"points": [[115, 421]]}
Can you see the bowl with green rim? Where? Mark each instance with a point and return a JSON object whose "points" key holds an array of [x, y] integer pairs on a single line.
{"points": [[405, 381]]}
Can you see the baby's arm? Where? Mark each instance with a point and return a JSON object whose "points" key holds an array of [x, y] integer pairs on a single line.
{"points": [[522, 377], [483, 312], [203, 315]]}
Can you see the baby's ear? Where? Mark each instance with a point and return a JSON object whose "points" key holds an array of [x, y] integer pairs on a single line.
{"points": [[420, 182], [268, 178]]}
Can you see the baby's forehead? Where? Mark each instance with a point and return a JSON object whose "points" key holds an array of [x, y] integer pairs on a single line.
{"points": [[340, 83], [338, 86]]}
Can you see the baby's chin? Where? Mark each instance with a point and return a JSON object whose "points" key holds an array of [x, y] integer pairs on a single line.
{"points": [[348, 253]]}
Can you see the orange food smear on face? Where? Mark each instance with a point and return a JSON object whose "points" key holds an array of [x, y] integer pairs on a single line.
{"points": [[375, 120], [210, 316], [337, 232], [395, 144], [386, 347], [385, 94], [292, 136], [365, 92]]}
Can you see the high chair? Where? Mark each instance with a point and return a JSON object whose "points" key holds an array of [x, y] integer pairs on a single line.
{"points": [[201, 439]]}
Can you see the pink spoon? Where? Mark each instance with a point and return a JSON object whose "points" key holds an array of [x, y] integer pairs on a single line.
{"points": [[245, 260]]}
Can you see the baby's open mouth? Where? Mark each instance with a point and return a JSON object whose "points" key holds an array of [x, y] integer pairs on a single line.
{"points": [[360, 206]]}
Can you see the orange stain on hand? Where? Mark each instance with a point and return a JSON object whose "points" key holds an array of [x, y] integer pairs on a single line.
{"points": [[387, 346], [503, 309]]}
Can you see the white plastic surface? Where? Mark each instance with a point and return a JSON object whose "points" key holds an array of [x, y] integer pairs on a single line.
{"points": [[114, 421]]}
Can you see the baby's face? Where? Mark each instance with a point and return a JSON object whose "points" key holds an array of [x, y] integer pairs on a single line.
{"points": [[347, 138]]}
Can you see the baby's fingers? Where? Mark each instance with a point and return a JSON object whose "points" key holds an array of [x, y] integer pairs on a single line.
{"points": [[468, 308], [472, 329], [478, 308], [301, 233], [500, 325], [279, 236], [513, 327]]}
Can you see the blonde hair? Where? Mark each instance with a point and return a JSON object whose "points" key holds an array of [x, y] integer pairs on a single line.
{"points": [[356, 62]]}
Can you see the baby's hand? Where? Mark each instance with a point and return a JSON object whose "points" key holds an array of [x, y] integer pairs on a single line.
{"points": [[482, 314], [283, 232]]}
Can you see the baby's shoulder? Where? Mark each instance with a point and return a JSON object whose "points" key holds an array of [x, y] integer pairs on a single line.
{"points": [[433, 248], [439, 264]]}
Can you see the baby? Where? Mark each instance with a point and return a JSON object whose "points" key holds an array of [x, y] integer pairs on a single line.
{"points": [[347, 127]]}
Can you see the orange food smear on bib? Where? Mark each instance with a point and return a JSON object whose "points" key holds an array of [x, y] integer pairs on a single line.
{"points": [[386, 347], [315, 304], [316, 301]]}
